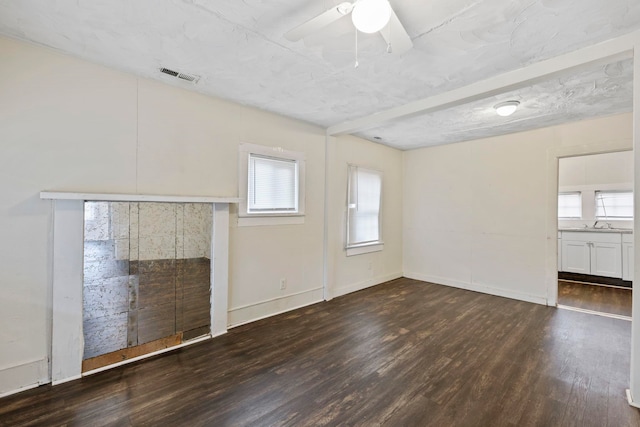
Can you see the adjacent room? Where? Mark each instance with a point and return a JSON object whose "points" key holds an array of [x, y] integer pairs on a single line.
{"points": [[379, 212], [595, 233]]}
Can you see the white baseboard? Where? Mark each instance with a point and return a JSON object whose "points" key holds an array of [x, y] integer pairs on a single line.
{"points": [[24, 376], [66, 380], [365, 284], [271, 307], [478, 288], [630, 399]]}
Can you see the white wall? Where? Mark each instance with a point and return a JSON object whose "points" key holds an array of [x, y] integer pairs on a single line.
{"points": [[66, 124], [588, 174], [351, 273], [476, 213]]}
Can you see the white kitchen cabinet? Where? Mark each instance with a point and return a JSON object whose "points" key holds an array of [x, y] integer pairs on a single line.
{"points": [[627, 257], [606, 259], [599, 254], [576, 256]]}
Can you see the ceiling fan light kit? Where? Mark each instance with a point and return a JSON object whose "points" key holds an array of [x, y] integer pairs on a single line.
{"points": [[506, 108], [370, 16], [367, 16]]}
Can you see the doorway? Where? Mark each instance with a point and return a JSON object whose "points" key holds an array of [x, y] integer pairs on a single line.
{"points": [[595, 240]]}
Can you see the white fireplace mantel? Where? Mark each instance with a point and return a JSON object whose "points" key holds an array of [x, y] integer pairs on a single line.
{"points": [[67, 342]]}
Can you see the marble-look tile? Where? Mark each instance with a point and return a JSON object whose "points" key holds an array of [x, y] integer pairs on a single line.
{"points": [[99, 250], [135, 290], [105, 297], [105, 334], [180, 212], [180, 246], [122, 249], [97, 221], [134, 220], [197, 216], [195, 246], [95, 270], [134, 249], [120, 220], [157, 247], [197, 230], [157, 219]]}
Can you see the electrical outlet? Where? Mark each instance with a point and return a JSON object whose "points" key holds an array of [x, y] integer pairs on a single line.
{"points": [[283, 283]]}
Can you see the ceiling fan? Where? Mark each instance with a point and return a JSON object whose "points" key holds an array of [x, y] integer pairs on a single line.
{"points": [[368, 16]]}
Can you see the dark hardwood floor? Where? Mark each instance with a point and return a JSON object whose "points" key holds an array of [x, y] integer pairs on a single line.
{"points": [[604, 299], [405, 353]]}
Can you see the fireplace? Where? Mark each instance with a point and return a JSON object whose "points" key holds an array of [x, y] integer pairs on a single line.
{"points": [[68, 315]]}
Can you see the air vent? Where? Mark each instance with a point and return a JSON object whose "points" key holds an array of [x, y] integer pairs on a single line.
{"points": [[182, 76]]}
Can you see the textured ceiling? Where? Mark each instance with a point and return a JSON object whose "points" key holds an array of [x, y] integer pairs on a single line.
{"points": [[239, 50]]}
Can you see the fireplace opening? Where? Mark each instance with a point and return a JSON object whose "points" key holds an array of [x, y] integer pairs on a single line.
{"points": [[146, 278]]}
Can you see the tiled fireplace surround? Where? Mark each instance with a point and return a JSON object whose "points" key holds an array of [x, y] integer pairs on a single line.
{"points": [[67, 346]]}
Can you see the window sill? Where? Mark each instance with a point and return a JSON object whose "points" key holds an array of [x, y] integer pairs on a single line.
{"points": [[244, 221], [359, 250]]}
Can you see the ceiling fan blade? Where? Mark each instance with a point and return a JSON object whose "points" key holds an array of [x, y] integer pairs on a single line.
{"points": [[319, 21], [396, 36]]}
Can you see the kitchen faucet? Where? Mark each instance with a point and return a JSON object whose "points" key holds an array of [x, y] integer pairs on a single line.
{"points": [[597, 221]]}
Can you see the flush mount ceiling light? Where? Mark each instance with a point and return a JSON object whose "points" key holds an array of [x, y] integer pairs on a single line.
{"points": [[370, 16], [506, 108]]}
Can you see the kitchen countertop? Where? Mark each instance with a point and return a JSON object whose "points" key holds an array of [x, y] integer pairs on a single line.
{"points": [[598, 230]]}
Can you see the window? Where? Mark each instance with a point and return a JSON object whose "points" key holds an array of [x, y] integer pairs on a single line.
{"points": [[570, 205], [364, 191], [614, 204], [271, 184]]}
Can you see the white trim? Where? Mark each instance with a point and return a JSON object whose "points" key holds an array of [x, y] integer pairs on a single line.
{"points": [[601, 53], [366, 284], [66, 380], [630, 399], [253, 304], [23, 376], [365, 249], [270, 220], [219, 268], [634, 383], [116, 197], [537, 299], [553, 156], [245, 149], [67, 339], [19, 390], [273, 306], [326, 295], [596, 313], [145, 356]]}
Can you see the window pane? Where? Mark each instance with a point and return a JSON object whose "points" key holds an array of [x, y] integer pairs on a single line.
{"points": [[273, 184], [570, 205], [364, 206], [614, 204]]}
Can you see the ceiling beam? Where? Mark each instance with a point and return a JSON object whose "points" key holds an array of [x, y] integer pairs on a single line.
{"points": [[602, 53]]}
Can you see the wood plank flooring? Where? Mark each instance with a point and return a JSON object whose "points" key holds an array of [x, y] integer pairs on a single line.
{"points": [[405, 353], [594, 297]]}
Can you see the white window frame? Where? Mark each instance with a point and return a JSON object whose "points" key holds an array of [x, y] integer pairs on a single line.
{"points": [[579, 193], [599, 202], [358, 248], [245, 217]]}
